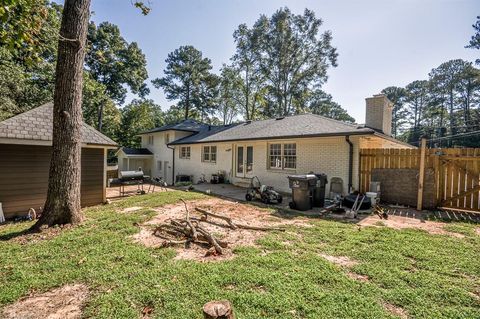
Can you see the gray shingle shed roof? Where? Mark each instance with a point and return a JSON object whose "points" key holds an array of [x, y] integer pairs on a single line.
{"points": [[36, 125], [302, 125]]}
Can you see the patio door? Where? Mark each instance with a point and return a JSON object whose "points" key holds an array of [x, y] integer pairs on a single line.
{"points": [[244, 163]]}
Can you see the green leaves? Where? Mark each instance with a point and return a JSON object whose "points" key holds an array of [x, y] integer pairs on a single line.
{"points": [[188, 80]]}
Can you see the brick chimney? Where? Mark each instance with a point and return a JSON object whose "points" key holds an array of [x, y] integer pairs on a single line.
{"points": [[378, 113]]}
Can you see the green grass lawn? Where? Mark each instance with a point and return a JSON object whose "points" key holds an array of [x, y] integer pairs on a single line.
{"points": [[429, 276]]}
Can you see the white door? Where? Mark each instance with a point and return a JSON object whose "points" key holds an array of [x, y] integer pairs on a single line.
{"points": [[165, 172], [244, 162]]}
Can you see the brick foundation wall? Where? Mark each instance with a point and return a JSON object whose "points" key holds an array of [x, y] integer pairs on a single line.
{"points": [[400, 186]]}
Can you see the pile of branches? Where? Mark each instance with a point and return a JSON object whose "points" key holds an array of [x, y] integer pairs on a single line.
{"points": [[191, 230]]}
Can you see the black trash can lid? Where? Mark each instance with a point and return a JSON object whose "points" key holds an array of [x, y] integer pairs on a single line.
{"points": [[303, 177]]}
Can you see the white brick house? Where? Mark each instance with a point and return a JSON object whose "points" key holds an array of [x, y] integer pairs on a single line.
{"points": [[270, 149]]}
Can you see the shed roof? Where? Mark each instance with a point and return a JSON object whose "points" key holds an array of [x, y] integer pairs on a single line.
{"points": [[136, 151], [302, 125], [36, 125]]}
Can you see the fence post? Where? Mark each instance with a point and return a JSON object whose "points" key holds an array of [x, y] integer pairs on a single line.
{"points": [[421, 174]]}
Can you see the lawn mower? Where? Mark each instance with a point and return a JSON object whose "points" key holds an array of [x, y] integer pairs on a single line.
{"points": [[263, 192]]}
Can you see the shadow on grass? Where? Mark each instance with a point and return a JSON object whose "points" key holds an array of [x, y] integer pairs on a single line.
{"points": [[15, 234]]}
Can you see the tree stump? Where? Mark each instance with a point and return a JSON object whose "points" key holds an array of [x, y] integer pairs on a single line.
{"points": [[221, 309]]}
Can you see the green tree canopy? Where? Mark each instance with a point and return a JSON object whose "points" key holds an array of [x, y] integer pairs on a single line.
{"points": [[114, 62], [139, 116], [294, 57], [322, 103], [397, 96], [188, 80], [475, 40]]}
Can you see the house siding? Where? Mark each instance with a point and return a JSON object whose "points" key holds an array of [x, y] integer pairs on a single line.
{"points": [[320, 155], [24, 173]]}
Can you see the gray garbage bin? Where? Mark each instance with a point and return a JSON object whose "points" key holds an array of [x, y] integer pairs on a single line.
{"points": [[319, 191], [302, 187]]}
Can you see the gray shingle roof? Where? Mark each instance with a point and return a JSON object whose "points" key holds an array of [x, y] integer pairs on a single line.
{"points": [[302, 125], [186, 125], [36, 124], [136, 151]]}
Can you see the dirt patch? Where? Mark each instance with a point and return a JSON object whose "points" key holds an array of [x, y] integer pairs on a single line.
{"points": [[401, 222], [241, 213], [131, 209], [358, 277], [477, 231], [395, 310], [343, 261], [61, 303]]}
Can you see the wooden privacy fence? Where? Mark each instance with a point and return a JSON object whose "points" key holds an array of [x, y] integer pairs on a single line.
{"points": [[456, 172]]}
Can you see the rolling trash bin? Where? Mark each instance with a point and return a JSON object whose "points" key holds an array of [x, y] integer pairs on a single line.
{"points": [[302, 187], [319, 191]]}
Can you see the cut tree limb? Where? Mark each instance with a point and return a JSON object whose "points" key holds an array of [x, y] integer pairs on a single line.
{"points": [[225, 218], [189, 223], [211, 240]]}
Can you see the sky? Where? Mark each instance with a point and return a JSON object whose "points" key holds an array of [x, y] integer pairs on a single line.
{"points": [[380, 42]]}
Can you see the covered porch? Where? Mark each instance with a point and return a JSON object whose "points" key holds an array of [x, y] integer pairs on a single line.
{"points": [[133, 159]]}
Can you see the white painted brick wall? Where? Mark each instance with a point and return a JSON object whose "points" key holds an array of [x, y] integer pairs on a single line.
{"points": [[320, 155]]}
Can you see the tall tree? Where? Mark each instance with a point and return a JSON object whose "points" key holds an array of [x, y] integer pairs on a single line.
{"points": [[230, 98], [416, 100], [475, 40], [294, 56], [63, 196], [322, 103], [95, 97], [246, 62], [115, 63], [397, 96], [139, 116], [186, 75], [444, 80]]}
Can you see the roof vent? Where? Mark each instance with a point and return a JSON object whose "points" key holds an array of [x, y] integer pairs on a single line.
{"points": [[280, 118]]}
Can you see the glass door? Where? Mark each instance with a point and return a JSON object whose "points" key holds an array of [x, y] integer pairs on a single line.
{"points": [[244, 164]]}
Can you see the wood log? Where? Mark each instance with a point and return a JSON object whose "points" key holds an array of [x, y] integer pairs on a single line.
{"points": [[221, 309], [189, 223], [211, 240], [259, 228], [225, 218]]}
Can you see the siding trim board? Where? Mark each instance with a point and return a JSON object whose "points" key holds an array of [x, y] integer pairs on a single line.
{"points": [[24, 173]]}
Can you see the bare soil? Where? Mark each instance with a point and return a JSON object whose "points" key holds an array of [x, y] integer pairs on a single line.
{"points": [[61, 303], [343, 261], [394, 310], [401, 222], [241, 213]]}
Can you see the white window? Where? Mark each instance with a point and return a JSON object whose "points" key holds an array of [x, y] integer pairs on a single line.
{"points": [[282, 156], [150, 140], [185, 152], [209, 154], [159, 166], [167, 138]]}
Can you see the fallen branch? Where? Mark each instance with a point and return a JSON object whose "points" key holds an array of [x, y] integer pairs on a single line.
{"points": [[225, 218], [189, 223], [259, 228], [211, 240]]}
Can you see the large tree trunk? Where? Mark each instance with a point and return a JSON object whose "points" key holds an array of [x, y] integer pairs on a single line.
{"points": [[63, 195]]}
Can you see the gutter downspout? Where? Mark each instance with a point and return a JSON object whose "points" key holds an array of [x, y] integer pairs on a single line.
{"points": [[173, 163], [350, 163]]}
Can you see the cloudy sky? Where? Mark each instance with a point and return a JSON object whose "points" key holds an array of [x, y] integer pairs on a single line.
{"points": [[380, 42]]}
